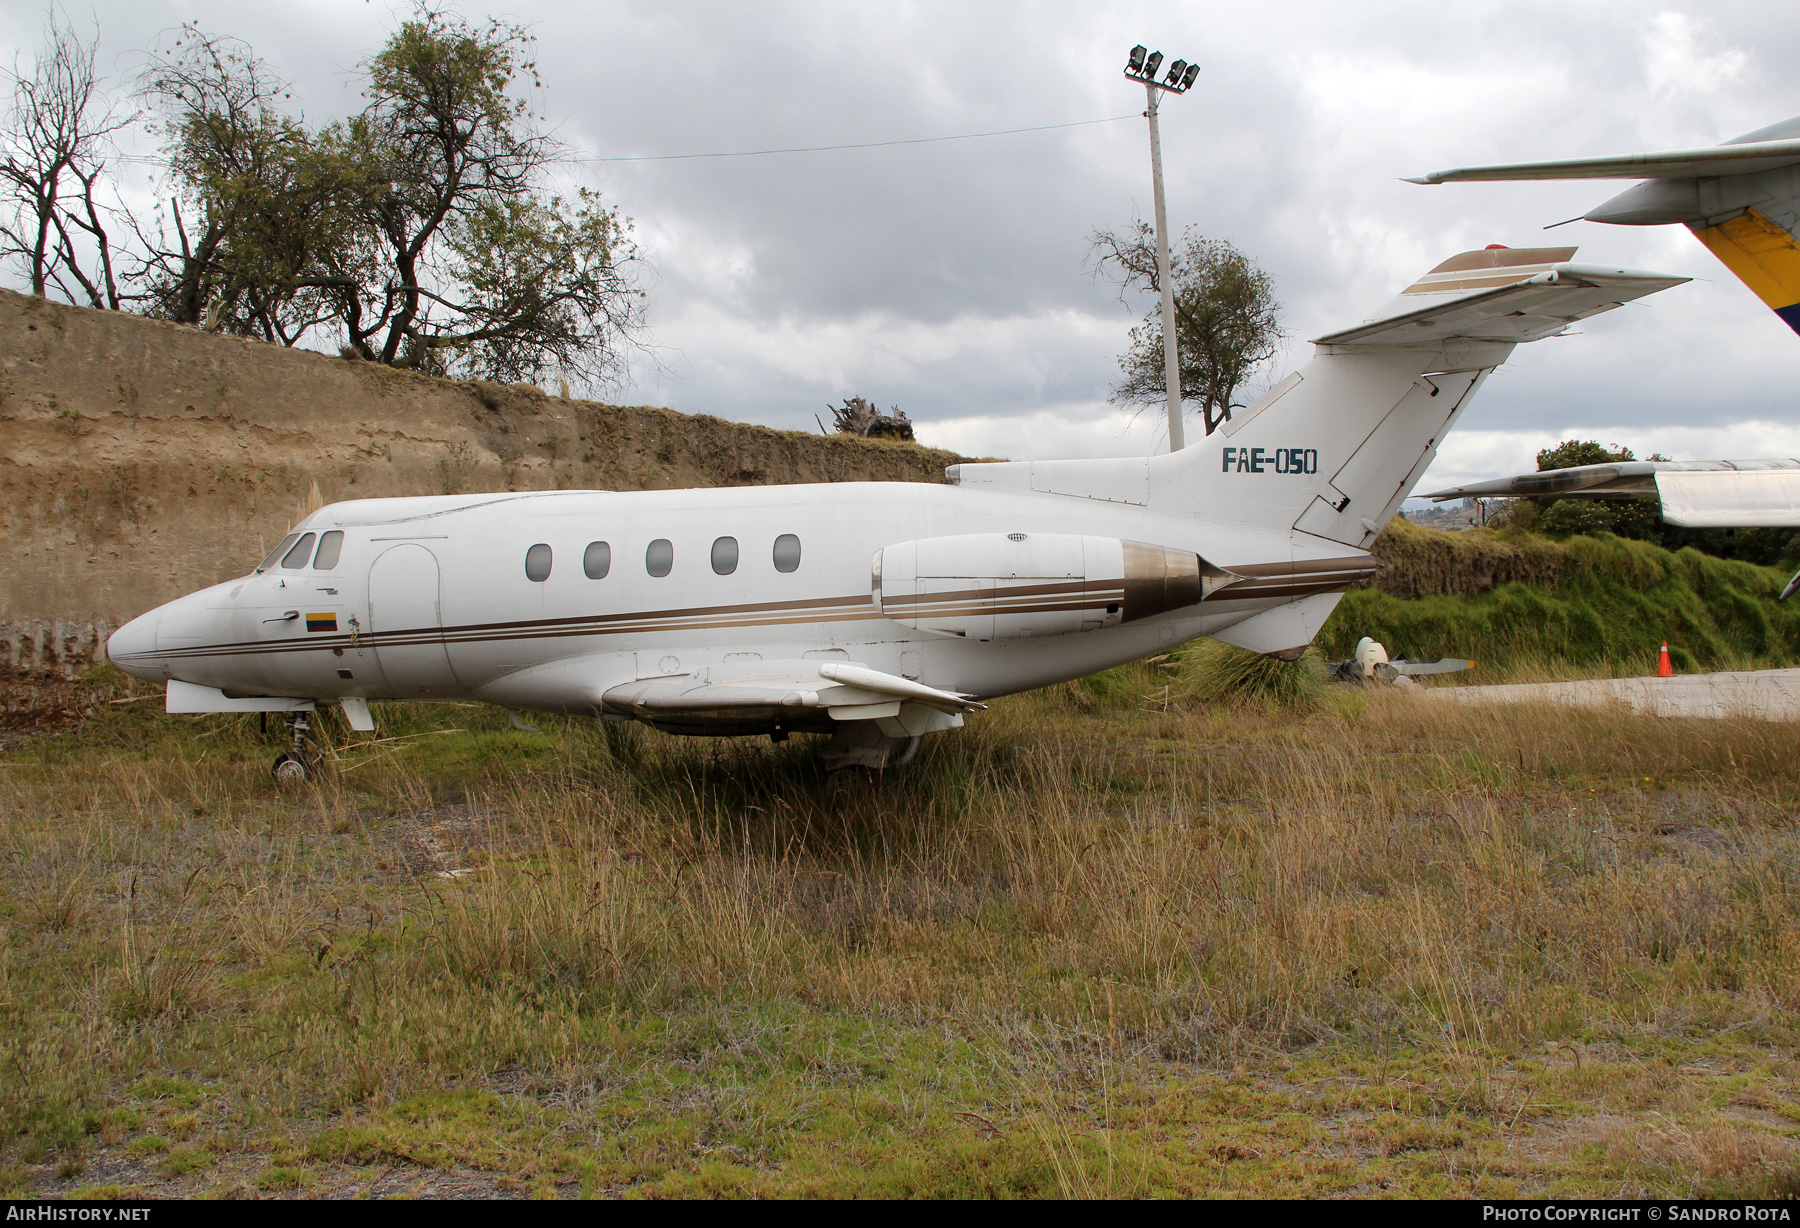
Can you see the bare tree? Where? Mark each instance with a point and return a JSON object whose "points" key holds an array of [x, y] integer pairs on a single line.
{"points": [[1227, 320], [53, 166]]}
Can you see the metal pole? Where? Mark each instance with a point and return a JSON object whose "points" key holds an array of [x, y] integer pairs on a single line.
{"points": [[1171, 364]]}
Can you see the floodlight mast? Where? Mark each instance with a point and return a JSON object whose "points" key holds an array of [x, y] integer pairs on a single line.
{"points": [[1180, 76]]}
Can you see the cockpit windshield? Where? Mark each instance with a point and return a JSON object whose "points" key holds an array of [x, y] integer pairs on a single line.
{"points": [[296, 558], [276, 553]]}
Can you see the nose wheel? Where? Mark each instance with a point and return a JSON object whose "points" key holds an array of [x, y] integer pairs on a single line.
{"points": [[303, 760], [289, 772]]}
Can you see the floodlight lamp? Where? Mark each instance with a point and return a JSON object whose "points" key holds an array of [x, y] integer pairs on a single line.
{"points": [[1187, 78], [1173, 80], [1136, 63], [1152, 64]]}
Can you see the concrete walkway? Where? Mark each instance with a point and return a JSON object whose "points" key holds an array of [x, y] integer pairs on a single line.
{"points": [[1772, 694]]}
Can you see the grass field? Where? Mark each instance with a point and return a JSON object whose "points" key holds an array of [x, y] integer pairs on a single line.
{"points": [[1098, 943]]}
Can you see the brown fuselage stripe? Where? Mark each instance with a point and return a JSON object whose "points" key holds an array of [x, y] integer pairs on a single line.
{"points": [[1108, 589]]}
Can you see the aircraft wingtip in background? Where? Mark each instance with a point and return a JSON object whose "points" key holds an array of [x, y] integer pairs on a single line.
{"points": [[1720, 494], [1740, 198]]}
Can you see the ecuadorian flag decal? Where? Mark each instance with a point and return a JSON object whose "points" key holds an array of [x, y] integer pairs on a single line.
{"points": [[321, 622]]}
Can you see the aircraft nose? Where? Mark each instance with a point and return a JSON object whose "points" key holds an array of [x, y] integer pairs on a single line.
{"points": [[133, 648]]}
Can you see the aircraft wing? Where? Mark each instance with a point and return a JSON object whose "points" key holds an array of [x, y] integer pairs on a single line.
{"points": [[1619, 480], [1745, 159], [1502, 294], [1744, 494], [1745, 486]]}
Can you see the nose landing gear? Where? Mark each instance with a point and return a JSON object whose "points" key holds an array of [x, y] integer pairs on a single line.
{"points": [[302, 763]]}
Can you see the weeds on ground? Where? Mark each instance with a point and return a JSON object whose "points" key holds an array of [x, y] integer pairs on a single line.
{"points": [[1105, 941]]}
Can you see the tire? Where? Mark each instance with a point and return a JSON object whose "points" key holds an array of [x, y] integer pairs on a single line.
{"points": [[289, 772]]}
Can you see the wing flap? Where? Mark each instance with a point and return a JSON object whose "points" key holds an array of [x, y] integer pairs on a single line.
{"points": [[1731, 499]]}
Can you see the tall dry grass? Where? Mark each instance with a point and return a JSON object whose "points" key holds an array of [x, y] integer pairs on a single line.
{"points": [[1072, 892]]}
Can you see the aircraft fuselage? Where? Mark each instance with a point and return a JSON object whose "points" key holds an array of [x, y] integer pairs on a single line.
{"points": [[547, 600]]}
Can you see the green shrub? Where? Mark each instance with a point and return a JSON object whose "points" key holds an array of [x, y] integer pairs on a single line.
{"points": [[1589, 601], [1214, 673]]}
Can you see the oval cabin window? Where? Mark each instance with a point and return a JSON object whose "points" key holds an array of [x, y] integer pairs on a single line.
{"points": [[725, 555], [787, 553], [659, 559], [596, 560], [537, 563], [301, 552], [330, 547]]}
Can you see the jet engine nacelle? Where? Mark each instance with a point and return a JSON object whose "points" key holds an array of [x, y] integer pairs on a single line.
{"points": [[1002, 586]]}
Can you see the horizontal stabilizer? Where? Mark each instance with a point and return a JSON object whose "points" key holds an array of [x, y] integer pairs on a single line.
{"points": [[1501, 294], [1745, 159]]}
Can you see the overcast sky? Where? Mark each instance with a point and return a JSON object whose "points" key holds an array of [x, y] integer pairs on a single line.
{"points": [[950, 278]]}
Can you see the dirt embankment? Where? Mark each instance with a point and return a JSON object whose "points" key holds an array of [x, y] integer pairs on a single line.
{"points": [[142, 460]]}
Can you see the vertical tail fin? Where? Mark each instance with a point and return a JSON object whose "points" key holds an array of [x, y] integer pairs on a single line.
{"points": [[1764, 256], [1333, 449]]}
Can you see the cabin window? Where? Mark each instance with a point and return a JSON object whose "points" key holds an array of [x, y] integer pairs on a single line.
{"points": [[659, 559], [596, 560], [330, 546], [537, 563], [725, 555], [787, 553], [300, 553], [277, 552]]}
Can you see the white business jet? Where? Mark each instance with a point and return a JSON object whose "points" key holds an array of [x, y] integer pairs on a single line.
{"points": [[873, 612]]}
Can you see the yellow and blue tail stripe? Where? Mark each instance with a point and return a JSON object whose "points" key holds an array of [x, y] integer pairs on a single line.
{"points": [[1764, 256]]}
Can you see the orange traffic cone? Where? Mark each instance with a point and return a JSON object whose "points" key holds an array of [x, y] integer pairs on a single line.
{"points": [[1662, 663]]}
